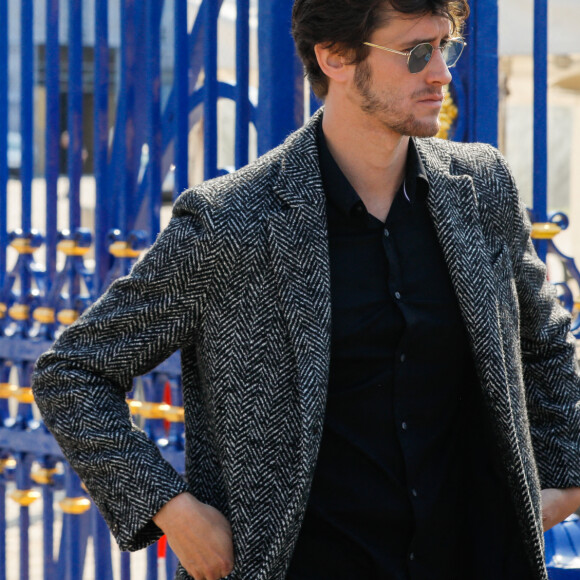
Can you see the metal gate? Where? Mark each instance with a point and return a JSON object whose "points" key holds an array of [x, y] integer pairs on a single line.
{"points": [[101, 107]]}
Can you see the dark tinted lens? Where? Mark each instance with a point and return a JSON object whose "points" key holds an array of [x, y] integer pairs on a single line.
{"points": [[419, 57], [452, 51]]}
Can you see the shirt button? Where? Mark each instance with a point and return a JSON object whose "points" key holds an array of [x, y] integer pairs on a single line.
{"points": [[387, 233], [411, 556], [402, 357], [414, 492], [404, 426], [398, 295]]}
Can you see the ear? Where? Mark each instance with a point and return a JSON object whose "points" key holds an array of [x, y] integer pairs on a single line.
{"points": [[334, 65]]}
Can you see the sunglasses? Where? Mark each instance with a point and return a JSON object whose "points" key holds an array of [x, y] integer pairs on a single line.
{"points": [[419, 57]]}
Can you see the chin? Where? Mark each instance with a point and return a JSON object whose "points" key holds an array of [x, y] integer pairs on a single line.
{"points": [[426, 128], [417, 129]]}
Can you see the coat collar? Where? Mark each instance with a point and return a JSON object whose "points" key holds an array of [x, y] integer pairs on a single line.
{"points": [[299, 181], [299, 244]]}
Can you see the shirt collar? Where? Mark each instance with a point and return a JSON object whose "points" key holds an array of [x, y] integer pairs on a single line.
{"points": [[340, 192]]}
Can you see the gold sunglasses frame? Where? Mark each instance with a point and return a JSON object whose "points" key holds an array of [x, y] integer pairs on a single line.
{"points": [[408, 54]]}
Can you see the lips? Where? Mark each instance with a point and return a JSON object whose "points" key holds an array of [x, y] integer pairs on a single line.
{"points": [[432, 99]]}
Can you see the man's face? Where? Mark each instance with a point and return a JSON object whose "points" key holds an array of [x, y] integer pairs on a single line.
{"points": [[405, 103]]}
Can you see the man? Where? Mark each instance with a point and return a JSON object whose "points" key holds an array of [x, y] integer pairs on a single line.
{"points": [[355, 286]]}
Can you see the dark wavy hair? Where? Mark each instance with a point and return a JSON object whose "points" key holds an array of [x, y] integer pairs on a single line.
{"points": [[345, 24]]}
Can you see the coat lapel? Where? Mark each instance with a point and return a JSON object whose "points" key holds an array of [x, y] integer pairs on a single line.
{"points": [[453, 206], [298, 245]]}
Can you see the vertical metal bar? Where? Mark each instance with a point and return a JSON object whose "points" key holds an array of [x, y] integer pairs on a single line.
{"points": [[171, 562], [540, 194], [125, 119], [485, 90], [153, 18], [102, 214], [117, 178], [125, 566], [242, 82], [102, 547], [71, 528], [279, 76], [151, 573], [138, 116], [2, 527], [27, 111], [24, 522], [52, 137], [48, 526], [75, 111], [465, 70], [3, 138], [23, 482], [210, 48], [181, 81]]}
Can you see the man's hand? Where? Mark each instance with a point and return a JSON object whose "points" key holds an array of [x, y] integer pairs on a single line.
{"points": [[200, 536], [558, 504]]}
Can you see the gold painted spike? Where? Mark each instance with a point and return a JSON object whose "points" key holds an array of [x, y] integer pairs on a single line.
{"points": [[43, 475], [7, 390], [24, 395], [449, 113], [67, 317], [22, 246], [577, 305], [7, 464], [545, 231], [3, 309], [25, 497], [75, 505], [19, 312], [134, 406], [71, 248], [123, 250], [153, 410], [44, 315], [175, 415]]}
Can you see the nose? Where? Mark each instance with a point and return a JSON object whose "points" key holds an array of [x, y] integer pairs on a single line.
{"points": [[437, 70]]}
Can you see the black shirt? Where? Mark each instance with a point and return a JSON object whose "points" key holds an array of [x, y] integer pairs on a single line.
{"points": [[387, 500]]}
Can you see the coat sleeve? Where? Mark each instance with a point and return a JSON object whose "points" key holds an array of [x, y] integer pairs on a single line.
{"points": [[549, 361], [80, 384]]}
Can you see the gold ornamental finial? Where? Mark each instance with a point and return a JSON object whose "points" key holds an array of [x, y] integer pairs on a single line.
{"points": [[447, 116], [75, 505], [545, 231], [25, 497]]}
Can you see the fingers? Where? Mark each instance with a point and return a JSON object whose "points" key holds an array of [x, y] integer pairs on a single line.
{"points": [[200, 536]]}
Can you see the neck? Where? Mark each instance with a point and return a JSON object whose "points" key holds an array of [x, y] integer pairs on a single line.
{"points": [[372, 157]]}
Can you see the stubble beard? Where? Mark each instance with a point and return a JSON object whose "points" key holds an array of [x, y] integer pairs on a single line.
{"points": [[390, 112]]}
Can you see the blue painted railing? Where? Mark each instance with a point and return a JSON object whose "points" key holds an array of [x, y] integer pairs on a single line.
{"points": [[47, 278]]}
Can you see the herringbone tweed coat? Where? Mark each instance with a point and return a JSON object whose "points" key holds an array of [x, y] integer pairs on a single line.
{"points": [[239, 281]]}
